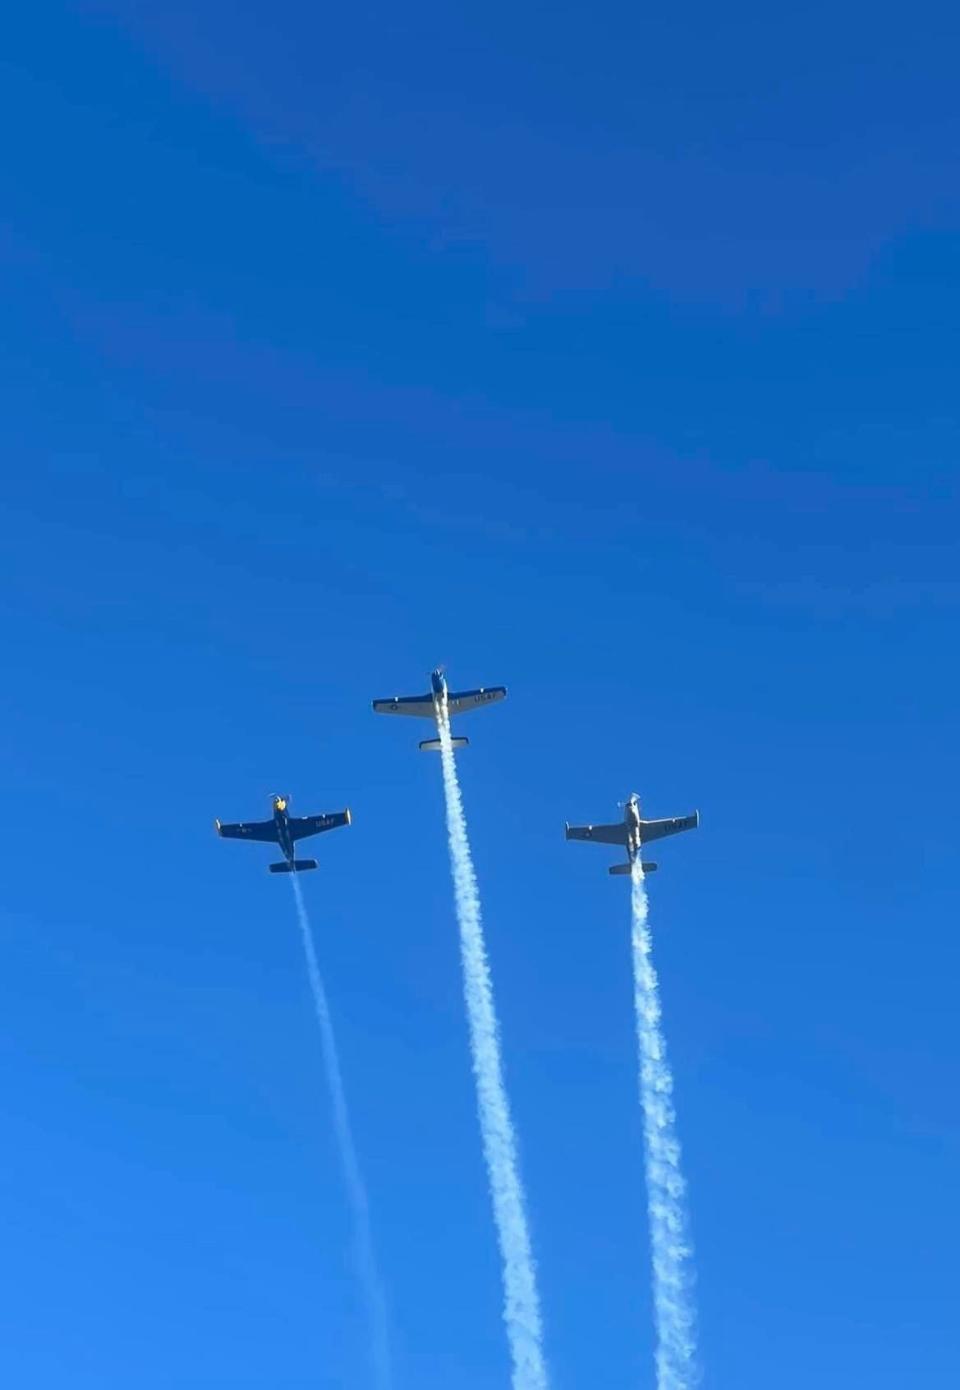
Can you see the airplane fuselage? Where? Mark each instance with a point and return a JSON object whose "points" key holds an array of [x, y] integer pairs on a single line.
{"points": [[631, 817], [439, 705], [282, 822], [633, 833], [285, 830], [438, 685]]}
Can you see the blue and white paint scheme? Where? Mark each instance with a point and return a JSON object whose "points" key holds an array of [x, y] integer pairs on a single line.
{"points": [[632, 832], [284, 830], [437, 699]]}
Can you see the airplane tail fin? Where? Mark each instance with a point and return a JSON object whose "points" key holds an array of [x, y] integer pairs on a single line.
{"points": [[625, 868], [298, 866], [432, 745]]}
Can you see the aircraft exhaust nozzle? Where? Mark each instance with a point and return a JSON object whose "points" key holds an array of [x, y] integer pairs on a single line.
{"points": [[432, 745], [298, 866]]}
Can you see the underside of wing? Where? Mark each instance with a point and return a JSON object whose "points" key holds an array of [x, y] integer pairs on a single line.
{"points": [[302, 826], [249, 830], [420, 706], [463, 700], [602, 834], [656, 829]]}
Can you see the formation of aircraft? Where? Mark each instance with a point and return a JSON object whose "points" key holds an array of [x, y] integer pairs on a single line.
{"points": [[285, 830], [632, 832]]}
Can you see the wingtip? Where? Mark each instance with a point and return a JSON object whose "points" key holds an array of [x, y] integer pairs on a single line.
{"points": [[216, 825], [347, 816]]}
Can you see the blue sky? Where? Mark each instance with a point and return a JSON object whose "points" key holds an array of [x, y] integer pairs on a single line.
{"points": [[610, 355]]}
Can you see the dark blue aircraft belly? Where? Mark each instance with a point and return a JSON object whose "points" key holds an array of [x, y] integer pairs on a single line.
{"points": [[283, 837]]}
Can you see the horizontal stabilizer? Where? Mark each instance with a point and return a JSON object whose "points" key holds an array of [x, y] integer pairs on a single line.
{"points": [[432, 745], [298, 866], [625, 868]]}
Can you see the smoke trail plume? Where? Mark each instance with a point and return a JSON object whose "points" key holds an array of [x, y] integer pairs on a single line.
{"points": [[521, 1310], [671, 1252], [350, 1164]]}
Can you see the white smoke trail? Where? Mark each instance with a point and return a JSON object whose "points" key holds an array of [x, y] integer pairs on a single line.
{"points": [[353, 1178], [521, 1310], [671, 1251]]}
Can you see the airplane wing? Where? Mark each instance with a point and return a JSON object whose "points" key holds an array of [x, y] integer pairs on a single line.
{"points": [[249, 830], [420, 706], [656, 829], [472, 699], [601, 834], [302, 826]]}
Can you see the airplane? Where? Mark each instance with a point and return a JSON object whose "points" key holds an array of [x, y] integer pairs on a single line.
{"points": [[632, 832], [284, 830], [437, 698]]}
